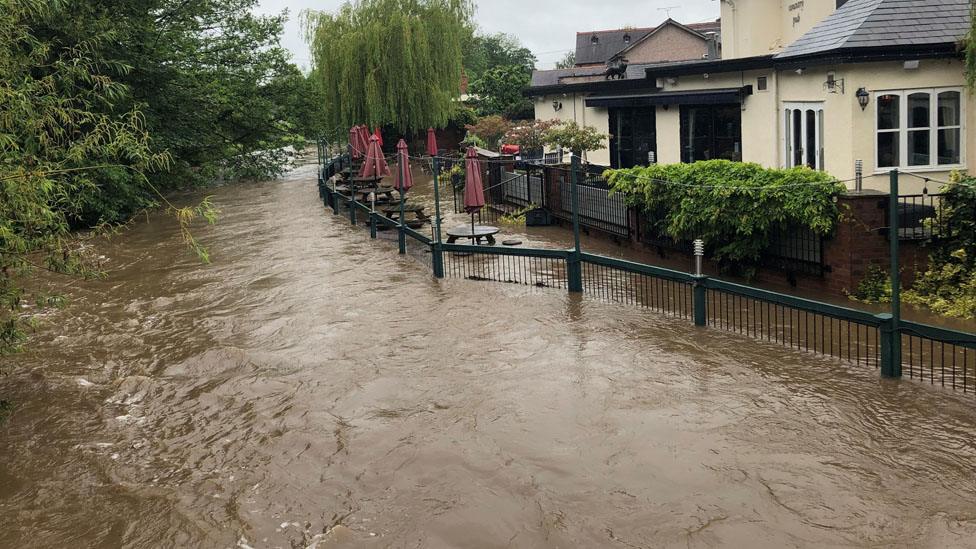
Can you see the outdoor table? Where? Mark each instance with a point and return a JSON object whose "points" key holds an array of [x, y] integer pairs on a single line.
{"points": [[360, 182], [383, 194], [392, 211], [486, 232]]}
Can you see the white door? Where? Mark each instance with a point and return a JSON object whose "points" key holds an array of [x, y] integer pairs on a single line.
{"points": [[804, 135]]}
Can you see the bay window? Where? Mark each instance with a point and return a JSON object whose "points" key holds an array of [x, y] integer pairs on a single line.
{"points": [[919, 129]]}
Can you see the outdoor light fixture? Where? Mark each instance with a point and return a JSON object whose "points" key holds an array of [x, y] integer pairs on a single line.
{"points": [[557, 105], [863, 97], [699, 254]]}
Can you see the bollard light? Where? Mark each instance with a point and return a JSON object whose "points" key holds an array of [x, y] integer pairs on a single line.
{"points": [[858, 175], [699, 254]]}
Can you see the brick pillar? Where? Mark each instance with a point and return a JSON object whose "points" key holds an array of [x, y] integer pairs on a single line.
{"points": [[861, 242]]}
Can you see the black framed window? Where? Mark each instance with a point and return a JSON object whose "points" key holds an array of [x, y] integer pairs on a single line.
{"points": [[711, 132], [633, 134]]}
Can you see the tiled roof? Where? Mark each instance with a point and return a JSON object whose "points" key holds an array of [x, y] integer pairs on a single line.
{"points": [[610, 42], [881, 23]]}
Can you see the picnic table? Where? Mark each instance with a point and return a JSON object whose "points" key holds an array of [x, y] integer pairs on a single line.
{"points": [[392, 211], [479, 232], [383, 194]]}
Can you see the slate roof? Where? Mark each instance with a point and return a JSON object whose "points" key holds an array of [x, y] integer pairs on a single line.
{"points": [[610, 42], [884, 23]]}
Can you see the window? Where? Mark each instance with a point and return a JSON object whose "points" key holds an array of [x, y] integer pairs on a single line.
{"points": [[633, 134], [919, 129], [710, 132], [761, 83], [804, 135]]}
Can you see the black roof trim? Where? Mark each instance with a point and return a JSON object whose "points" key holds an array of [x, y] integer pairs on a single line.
{"points": [[596, 86], [716, 66], [695, 97], [833, 57]]}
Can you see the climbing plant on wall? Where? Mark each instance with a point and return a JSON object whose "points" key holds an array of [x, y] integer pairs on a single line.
{"points": [[735, 207], [390, 62]]}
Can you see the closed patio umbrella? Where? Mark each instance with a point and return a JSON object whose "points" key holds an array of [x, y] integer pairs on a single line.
{"points": [[364, 138], [354, 143], [431, 142], [379, 135], [375, 164], [402, 183], [474, 192]]}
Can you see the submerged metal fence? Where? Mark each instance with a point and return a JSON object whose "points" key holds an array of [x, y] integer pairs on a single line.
{"points": [[931, 355]]}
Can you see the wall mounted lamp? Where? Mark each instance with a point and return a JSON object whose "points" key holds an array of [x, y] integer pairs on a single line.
{"points": [[863, 97], [557, 105]]}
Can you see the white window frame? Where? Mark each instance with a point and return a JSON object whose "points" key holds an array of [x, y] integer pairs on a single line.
{"points": [[933, 128], [787, 112]]}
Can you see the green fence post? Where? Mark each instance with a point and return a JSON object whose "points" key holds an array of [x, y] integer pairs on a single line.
{"points": [[574, 267], [437, 251], [893, 364], [890, 364]]}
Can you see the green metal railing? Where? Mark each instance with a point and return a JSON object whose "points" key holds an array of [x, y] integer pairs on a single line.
{"points": [[882, 341]]}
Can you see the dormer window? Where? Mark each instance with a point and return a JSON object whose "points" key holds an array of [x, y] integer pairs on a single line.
{"points": [[595, 39], [626, 39]]}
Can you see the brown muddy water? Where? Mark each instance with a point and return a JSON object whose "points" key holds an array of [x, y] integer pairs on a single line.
{"points": [[312, 388]]}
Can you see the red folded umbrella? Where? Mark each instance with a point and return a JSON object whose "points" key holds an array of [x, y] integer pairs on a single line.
{"points": [[379, 135], [375, 164], [474, 192], [404, 179], [357, 152], [364, 138], [431, 142]]}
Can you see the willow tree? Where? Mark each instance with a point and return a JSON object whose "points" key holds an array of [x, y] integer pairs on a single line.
{"points": [[390, 62]]}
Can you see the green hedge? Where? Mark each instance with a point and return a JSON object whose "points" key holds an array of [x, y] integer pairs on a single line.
{"points": [[735, 207]]}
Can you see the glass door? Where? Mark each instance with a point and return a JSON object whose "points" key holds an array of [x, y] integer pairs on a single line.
{"points": [[804, 135], [633, 134]]}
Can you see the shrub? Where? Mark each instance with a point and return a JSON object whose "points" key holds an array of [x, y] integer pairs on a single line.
{"points": [[573, 137], [490, 129], [530, 136], [734, 207], [949, 285], [875, 287]]}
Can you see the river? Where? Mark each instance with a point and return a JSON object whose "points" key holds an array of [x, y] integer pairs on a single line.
{"points": [[311, 388]]}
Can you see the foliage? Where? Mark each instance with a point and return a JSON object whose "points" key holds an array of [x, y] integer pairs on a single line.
{"points": [[571, 136], [499, 92], [491, 129], [54, 140], [529, 135], [517, 217], [103, 105], [454, 174], [472, 140], [949, 285], [875, 287], [485, 52], [462, 116], [568, 61], [390, 62], [734, 207]]}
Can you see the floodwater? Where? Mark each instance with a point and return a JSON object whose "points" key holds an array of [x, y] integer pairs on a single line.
{"points": [[313, 388]]}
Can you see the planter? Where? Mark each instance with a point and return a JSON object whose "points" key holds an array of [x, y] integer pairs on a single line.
{"points": [[538, 217]]}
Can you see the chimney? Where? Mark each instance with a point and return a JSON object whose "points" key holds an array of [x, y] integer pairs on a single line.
{"points": [[711, 41]]}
